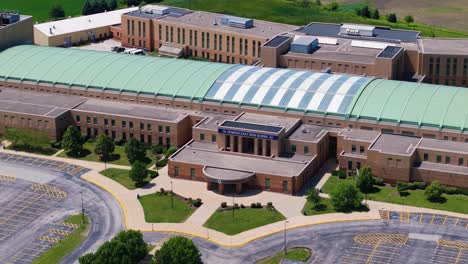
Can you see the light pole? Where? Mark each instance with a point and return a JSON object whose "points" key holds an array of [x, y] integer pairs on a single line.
{"points": [[233, 206], [285, 248], [172, 197], [82, 208]]}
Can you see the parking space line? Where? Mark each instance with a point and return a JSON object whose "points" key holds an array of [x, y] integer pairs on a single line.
{"points": [[433, 216], [445, 220]]}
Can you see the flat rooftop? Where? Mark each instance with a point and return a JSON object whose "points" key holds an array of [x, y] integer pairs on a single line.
{"points": [[82, 23], [360, 134], [395, 144], [443, 145], [133, 110], [444, 46], [212, 121], [22, 18], [206, 20], [38, 104], [309, 133], [268, 120], [381, 33], [425, 165], [204, 154]]}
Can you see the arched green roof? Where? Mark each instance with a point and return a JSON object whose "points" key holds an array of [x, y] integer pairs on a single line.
{"points": [[282, 89], [413, 103], [109, 71]]}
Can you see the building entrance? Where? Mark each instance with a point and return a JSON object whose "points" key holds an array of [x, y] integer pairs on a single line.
{"points": [[332, 147], [248, 145]]}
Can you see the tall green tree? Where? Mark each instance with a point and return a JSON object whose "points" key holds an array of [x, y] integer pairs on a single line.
{"points": [[135, 151], [392, 18], [87, 8], [138, 172], [346, 197], [177, 250], [104, 147], [57, 11], [409, 19], [113, 5], [376, 14], [72, 141], [365, 180]]}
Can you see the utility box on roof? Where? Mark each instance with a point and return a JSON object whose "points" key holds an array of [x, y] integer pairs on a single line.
{"points": [[304, 44], [238, 22]]}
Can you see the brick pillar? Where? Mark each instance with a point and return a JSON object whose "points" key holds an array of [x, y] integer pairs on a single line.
{"points": [[256, 146], [241, 139], [221, 188], [238, 188], [264, 147], [232, 143]]}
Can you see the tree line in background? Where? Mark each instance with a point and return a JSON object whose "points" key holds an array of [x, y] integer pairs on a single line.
{"points": [[366, 12], [98, 6]]}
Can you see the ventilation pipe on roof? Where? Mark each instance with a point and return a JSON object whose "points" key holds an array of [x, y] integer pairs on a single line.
{"points": [[215, 22]]}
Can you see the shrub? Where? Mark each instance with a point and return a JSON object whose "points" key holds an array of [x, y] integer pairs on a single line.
{"points": [[190, 200], [434, 191], [259, 205], [401, 187], [269, 204], [223, 205], [153, 174], [242, 206], [157, 149], [236, 206], [161, 163], [379, 181], [253, 205], [454, 190], [197, 202], [162, 191], [417, 186], [170, 151]]}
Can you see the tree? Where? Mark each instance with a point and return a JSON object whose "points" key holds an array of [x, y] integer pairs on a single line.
{"points": [[365, 12], [127, 247], [101, 6], [409, 19], [376, 14], [365, 180], [313, 196], [113, 4], [87, 8], [72, 141], [434, 191], [345, 197], [177, 250], [305, 3], [57, 12], [318, 2], [402, 187], [138, 172], [135, 151], [104, 147], [392, 18]]}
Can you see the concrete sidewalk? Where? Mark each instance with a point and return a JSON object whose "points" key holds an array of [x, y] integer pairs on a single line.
{"points": [[289, 206]]}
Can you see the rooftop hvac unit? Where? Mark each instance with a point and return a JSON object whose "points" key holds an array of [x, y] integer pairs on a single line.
{"points": [[304, 44], [237, 22], [357, 30]]}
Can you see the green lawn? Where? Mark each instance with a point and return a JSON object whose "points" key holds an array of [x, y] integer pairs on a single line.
{"points": [[325, 207], [298, 254], [289, 12], [68, 244], [39, 9], [454, 202], [244, 219], [49, 151], [158, 209], [118, 157], [122, 176]]}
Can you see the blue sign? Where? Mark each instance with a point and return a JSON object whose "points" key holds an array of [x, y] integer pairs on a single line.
{"points": [[246, 134]]}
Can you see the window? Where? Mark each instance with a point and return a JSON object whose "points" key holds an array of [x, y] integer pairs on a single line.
{"points": [[192, 172], [95, 130], [95, 120], [113, 134], [439, 158], [160, 32], [190, 37], [196, 40], [176, 171], [353, 148], [202, 137], [172, 34], [426, 156], [447, 159], [168, 129], [285, 186], [178, 36], [148, 127], [240, 46], [220, 42], [293, 148], [113, 122], [460, 161], [160, 141], [215, 41], [227, 43], [447, 67], [213, 138], [149, 140], [350, 165], [168, 141], [77, 118], [124, 124], [160, 128], [246, 48], [233, 42], [253, 48], [88, 120], [203, 40], [358, 165], [130, 125], [267, 183], [361, 149], [142, 126], [167, 33], [207, 40], [106, 121], [142, 138], [306, 149]]}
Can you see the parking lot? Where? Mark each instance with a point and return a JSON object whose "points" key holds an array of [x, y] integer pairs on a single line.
{"points": [[424, 218], [37, 195]]}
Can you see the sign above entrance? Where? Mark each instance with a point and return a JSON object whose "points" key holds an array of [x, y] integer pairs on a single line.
{"points": [[246, 134]]}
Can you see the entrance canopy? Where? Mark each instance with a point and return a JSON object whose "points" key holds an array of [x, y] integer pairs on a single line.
{"points": [[227, 176]]}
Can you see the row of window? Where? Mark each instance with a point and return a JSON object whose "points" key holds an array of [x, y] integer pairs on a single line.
{"points": [[213, 137], [461, 161], [149, 138], [10, 120], [357, 69], [124, 124], [141, 28], [294, 149], [451, 65], [361, 149]]}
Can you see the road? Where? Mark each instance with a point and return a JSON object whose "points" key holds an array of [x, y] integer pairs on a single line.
{"points": [[38, 214]]}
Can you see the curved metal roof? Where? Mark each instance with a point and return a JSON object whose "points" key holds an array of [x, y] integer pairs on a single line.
{"points": [[284, 89], [413, 103], [110, 71]]}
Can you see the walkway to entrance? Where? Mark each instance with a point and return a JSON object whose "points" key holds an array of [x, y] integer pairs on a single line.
{"points": [[223, 177]]}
